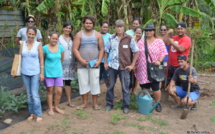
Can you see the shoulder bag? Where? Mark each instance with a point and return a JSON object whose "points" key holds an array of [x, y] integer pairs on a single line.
{"points": [[17, 61]]}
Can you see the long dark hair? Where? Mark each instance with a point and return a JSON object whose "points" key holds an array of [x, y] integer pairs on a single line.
{"points": [[68, 24]]}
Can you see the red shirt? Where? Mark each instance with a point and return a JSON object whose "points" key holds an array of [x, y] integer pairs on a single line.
{"points": [[184, 41]]}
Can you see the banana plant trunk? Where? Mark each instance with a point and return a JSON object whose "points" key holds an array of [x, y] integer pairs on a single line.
{"points": [[125, 9]]}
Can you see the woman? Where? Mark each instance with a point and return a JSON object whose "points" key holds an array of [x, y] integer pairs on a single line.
{"points": [[157, 51], [21, 35], [136, 23], [32, 72], [53, 55], [69, 60], [105, 35]]}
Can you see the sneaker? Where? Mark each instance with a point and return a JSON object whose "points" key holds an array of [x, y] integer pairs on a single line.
{"points": [[108, 108], [195, 106], [158, 108], [125, 110]]}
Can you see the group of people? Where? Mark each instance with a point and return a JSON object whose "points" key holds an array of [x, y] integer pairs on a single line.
{"points": [[99, 55]]}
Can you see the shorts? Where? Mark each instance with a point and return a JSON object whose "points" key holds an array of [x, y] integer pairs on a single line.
{"points": [[103, 73], [88, 80], [67, 82], [154, 85], [50, 82], [181, 93]]}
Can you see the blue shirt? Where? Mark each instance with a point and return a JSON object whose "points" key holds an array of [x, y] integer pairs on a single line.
{"points": [[53, 66], [166, 57], [113, 45], [30, 59], [106, 38]]}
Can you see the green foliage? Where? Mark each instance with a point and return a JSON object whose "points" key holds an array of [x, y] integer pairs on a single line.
{"points": [[170, 19], [212, 119], [118, 132], [10, 102], [115, 118], [105, 7], [131, 124], [81, 114], [46, 4], [212, 103], [204, 48], [185, 10], [162, 132], [133, 103], [153, 120]]}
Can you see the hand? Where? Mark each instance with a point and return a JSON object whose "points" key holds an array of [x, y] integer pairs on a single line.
{"points": [[84, 63], [129, 68], [158, 63], [106, 66], [135, 37], [41, 77], [190, 79], [171, 41], [170, 31], [96, 65], [134, 69]]}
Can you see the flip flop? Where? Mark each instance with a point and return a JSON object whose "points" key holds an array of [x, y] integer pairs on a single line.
{"points": [[70, 104], [39, 119], [81, 107], [30, 118], [97, 108]]}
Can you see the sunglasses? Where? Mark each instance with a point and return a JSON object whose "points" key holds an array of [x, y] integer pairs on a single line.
{"points": [[149, 30], [162, 29], [30, 21]]}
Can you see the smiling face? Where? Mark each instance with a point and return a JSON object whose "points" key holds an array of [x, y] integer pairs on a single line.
{"points": [[150, 33], [135, 24], [138, 33], [88, 25], [67, 30], [104, 28], [181, 31], [31, 34], [53, 39], [30, 22], [163, 30], [182, 64]]}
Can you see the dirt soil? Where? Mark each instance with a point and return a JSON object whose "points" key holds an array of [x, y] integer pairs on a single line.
{"points": [[90, 121]]}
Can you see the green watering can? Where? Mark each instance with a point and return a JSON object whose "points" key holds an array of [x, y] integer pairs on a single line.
{"points": [[145, 103]]}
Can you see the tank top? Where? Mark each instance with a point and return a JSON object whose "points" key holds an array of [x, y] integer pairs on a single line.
{"points": [[88, 48]]}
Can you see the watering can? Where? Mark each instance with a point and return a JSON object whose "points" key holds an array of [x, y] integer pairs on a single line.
{"points": [[145, 103]]}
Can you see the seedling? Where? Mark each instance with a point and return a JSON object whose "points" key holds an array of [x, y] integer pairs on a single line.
{"points": [[153, 120], [213, 103], [81, 114], [212, 119], [116, 117], [162, 132]]}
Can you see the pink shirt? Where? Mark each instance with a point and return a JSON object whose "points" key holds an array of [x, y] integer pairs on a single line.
{"points": [[156, 49]]}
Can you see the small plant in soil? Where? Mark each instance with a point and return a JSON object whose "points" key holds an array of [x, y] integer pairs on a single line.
{"points": [[153, 120], [81, 114], [212, 103], [162, 132], [133, 103], [115, 118], [131, 124], [118, 132], [141, 127], [212, 119]]}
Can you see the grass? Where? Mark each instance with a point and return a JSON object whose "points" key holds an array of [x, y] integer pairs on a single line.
{"points": [[118, 132], [212, 119], [115, 118], [212, 103], [141, 127], [131, 124], [162, 132], [81, 114], [153, 120], [133, 103]]}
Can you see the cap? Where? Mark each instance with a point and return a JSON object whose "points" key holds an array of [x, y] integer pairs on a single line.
{"points": [[182, 57], [150, 27], [181, 24]]}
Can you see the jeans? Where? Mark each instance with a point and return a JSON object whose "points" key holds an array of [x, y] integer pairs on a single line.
{"points": [[125, 82], [32, 84]]}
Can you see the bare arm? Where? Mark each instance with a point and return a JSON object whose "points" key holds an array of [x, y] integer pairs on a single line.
{"points": [[178, 47], [101, 49], [18, 40], [75, 49], [192, 80], [105, 61], [62, 56], [41, 58]]}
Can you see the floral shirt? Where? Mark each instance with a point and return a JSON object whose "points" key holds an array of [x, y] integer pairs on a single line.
{"points": [[113, 47], [156, 50]]}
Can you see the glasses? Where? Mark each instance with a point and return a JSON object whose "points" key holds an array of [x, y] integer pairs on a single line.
{"points": [[162, 29], [30, 21], [149, 30]]}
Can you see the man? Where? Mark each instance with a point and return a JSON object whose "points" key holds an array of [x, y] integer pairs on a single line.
{"points": [[182, 76], [179, 45], [88, 49], [122, 47]]}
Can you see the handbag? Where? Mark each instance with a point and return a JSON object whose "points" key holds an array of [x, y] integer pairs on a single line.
{"points": [[17, 61], [155, 73]]}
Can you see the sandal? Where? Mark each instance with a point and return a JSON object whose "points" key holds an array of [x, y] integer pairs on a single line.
{"points": [[39, 119], [30, 118], [96, 107], [81, 107], [70, 104]]}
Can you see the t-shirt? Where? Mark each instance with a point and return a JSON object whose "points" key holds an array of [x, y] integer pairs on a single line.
{"points": [[181, 77], [184, 41], [166, 57], [23, 36], [106, 38], [30, 59], [53, 66]]}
